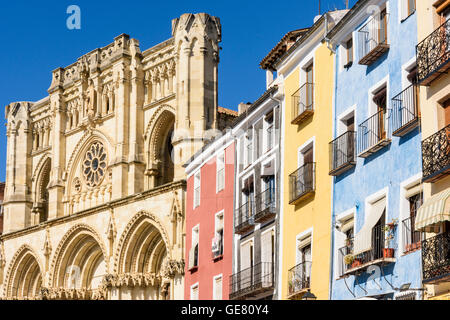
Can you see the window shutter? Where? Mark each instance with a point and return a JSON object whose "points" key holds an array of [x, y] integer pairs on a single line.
{"points": [[266, 247], [403, 9], [191, 257], [245, 255], [218, 289], [194, 293], [241, 153]]}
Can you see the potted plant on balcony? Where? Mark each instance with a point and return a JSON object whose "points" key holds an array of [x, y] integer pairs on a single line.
{"points": [[348, 259], [391, 225], [388, 252]]}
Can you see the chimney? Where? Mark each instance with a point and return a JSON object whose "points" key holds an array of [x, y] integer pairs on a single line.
{"points": [[242, 107]]}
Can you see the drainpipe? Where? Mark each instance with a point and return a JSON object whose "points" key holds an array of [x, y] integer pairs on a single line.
{"points": [[277, 229]]}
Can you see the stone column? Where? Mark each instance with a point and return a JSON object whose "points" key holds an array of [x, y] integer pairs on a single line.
{"points": [[56, 185], [119, 163], [17, 202], [136, 157]]}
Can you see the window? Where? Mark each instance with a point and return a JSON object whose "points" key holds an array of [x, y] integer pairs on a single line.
{"points": [[411, 6], [248, 191], [217, 245], [304, 259], [270, 132], [310, 84], [220, 172], [197, 189], [349, 52], [248, 147], [217, 288], [194, 292], [247, 255], [193, 253], [412, 238], [408, 7], [379, 98]]}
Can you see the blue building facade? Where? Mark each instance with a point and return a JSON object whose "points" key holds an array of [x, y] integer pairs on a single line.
{"points": [[376, 155]]}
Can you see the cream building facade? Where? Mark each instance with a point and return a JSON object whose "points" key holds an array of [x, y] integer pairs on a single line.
{"points": [[95, 189]]}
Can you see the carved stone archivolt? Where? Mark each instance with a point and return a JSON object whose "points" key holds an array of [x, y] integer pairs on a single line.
{"points": [[26, 270], [128, 233]]}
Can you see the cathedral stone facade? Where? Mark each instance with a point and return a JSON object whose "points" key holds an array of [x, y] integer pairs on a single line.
{"points": [[95, 188]]}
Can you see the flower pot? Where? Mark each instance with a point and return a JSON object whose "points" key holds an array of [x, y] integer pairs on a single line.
{"points": [[356, 264], [391, 225], [388, 253], [408, 248]]}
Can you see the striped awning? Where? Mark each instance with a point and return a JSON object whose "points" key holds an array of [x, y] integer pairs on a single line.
{"points": [[434, 211]]}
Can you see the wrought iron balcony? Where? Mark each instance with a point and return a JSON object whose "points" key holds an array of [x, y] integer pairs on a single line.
{"points": [[303, 103], [413, 239], [372, 135], [265, 205], [433, 55], [302, 183], [252, 281], [356, 264], [373, 42], [299, 280], [436, 155], [342, 153], [405, 111], [436, 258], [244, 218]]}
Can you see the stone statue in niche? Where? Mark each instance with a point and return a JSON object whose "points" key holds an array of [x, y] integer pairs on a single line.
{"points": [[91, 100]]}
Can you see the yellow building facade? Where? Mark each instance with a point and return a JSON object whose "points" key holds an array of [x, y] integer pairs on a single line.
{"points": [[307, 73], [433, 65]]}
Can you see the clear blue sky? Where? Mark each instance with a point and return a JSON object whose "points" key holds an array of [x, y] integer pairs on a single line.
{"points": [[35, 40]]}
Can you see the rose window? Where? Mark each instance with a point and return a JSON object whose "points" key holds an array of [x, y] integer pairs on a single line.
{"points": [[94, 164]]}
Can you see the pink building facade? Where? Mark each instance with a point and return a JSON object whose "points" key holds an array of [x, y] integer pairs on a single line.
{"points": [[209, 221]]}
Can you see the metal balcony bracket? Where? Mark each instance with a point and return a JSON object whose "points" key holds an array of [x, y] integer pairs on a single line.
{"points": [[359, 285], [348, 288]]}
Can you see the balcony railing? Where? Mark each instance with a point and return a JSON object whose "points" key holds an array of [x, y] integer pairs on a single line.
{"points": [[265, 205], [436, 258], [299, 279], [244, 218], [405, 111], [373, 42], [436, 155], [252, 281], [342, 153], [303, 103], [433, 55], [302, 182], [361, 261], [372, 135], [411, 238]]}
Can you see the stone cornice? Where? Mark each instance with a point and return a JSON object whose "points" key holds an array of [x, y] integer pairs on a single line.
{"points": [[112, 204]]}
